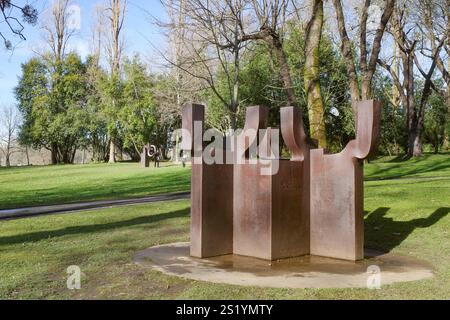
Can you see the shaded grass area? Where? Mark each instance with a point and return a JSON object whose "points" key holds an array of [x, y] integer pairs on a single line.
{"points": [[428, 166], [34, 186], [409, 215]]}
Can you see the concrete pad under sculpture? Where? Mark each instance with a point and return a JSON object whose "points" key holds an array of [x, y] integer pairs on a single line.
{"points": [[311, 204], [301, 272]]}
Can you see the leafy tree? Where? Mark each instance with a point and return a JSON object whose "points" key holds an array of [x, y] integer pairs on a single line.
{"points": [[137, 117], [98, 123], [52, 98], [260, 84], [436, 121], [110, 88]]}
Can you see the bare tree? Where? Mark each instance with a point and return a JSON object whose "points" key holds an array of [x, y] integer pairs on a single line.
{"points": [[98, 29], [182, 87], [9, 11], [406, 33], [56, 35], [219, 31], [367, 57], [115, 13], [214, 43], [57, 31], [9, 126], [271, 17], [434, 24]]}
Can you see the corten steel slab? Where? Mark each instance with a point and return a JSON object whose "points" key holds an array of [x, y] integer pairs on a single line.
{"points": [[145, 159], [212, 210], [337, 191], [269, 222], [290, 211], [311, 204], [337, 227], [211, 194], [252, 212]]}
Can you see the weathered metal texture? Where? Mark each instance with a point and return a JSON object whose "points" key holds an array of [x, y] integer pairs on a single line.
{"points": [[295, 138], [211, 194], [311, 204], [252, 221], [337, 195], [145, 159], [271, 221]]}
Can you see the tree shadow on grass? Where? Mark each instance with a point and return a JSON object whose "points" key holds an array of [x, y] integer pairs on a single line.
{"points": [[78, 230], [392, 172], [383, 233]]}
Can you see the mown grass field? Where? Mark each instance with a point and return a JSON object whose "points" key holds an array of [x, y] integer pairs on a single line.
{"points": [[34, 186], [408, 213]]}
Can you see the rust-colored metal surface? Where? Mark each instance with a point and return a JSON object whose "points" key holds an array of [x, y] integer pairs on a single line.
{"points": [[337, 191], [310, 204], [211, 194], [271, 218], [145, 159]]}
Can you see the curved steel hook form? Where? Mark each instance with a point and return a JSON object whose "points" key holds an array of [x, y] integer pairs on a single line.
{"points": [[293, 132], [337, 190], [256, 118], [152, 151], [368, 131]]}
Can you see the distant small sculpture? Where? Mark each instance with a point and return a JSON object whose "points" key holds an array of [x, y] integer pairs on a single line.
{"points": [[183, 157], [310, 204], [150, 152]]}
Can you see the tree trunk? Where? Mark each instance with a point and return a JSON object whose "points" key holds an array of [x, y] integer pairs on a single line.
{"points": [[233, 120], [28, 155], [112, 151], [312, 76], [285, 73], [347, 53], [72, 156], [54, 152], [235, 94], [416, 144], [366, 88]]}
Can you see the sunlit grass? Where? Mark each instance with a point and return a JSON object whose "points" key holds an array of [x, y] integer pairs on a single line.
{"points": [[408, 213], [31, 186]]}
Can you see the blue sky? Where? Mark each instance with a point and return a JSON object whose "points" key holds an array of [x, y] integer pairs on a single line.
{"points": [[138, 29]]}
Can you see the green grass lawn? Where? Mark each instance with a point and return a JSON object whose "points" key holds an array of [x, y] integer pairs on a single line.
{"points": [[408, 213], [34, 186]]}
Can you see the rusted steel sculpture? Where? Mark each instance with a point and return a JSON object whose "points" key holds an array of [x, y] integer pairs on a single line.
{"points": [[150, 152], [211, 193], [310, 204], [145, 159], [270, 218], [337, 198]]}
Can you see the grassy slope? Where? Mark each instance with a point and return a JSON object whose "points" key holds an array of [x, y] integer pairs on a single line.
{"points": [[30, 186], [407, 212]]}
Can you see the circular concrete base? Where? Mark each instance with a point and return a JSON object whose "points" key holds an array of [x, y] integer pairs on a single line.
{"points": [[302, 272]]}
